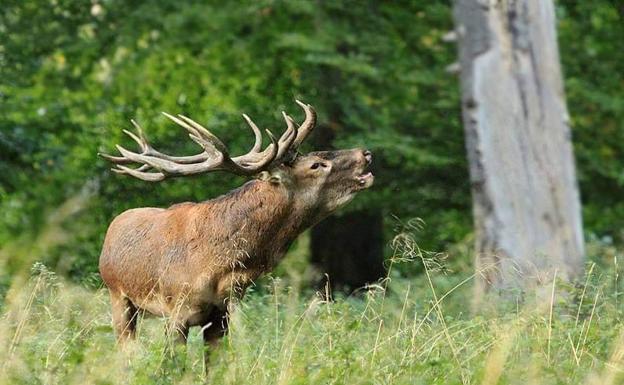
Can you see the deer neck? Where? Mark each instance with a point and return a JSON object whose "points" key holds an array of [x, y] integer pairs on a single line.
{"points": [[260, 218]]}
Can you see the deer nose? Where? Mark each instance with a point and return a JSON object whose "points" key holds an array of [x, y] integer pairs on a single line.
{"points": [[368, 156]]}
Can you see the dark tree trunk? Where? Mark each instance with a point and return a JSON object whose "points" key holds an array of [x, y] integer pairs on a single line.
{"points": [[349, 249]]}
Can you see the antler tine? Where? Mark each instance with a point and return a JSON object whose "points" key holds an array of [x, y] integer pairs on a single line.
{"points": [[141, 144], [140, 140], [210, 151], [256, 157], [114, 159], [273, 149], [258, 144], [258, 161], [183, 124], [202, 131], [308, 124], [137, 173], [287, 139]]}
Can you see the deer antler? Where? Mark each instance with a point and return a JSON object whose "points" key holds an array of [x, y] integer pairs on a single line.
{"points": [[156, 166]]}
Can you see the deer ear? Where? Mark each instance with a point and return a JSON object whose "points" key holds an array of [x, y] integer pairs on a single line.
{"points": [[264, 175], [271, 178], [275, 179]]}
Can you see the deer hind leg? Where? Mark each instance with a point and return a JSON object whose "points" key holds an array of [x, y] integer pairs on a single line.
{"points": [[124, 317]]}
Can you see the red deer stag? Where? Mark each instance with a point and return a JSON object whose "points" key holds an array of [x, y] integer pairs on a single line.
{"points": [[185, 262]]}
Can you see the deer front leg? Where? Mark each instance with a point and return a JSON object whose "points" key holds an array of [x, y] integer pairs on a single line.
{"points": [[215, 326], [214, 329]]}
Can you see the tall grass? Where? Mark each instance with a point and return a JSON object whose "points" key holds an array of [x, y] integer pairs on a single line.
{"points": [[416, 330]]}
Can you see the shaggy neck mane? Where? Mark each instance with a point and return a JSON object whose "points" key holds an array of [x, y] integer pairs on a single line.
{"points": [[260, 218]]}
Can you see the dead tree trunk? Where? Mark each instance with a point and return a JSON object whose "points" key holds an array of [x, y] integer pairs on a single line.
{"points": [[525, 196]]}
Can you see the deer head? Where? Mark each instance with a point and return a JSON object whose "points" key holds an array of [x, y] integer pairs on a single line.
{"points": [[323, 180]]}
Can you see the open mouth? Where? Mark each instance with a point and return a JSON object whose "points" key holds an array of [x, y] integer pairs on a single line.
{"points": [[365, 178]]}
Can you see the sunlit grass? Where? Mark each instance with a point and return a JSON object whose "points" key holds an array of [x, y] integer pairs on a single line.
{"points": [[55, 332]]}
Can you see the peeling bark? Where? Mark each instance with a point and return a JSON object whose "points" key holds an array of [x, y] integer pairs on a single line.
{"points": [[525, 196]]}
